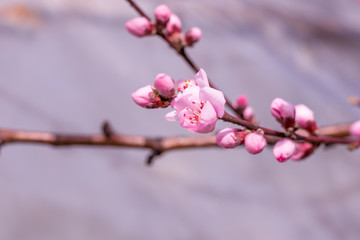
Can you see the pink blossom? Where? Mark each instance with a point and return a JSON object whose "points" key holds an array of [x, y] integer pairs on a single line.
{"points": [[192, 36], [283, 112], [355, 129], [215, 97], [198, 107], [146, 98], [249, 114], [284, 149], [241, 102], [184, 84], [304, 117], [162, 13], [230, 137], [302, 151], [255, 143], [165, 85], [140, 26], [173, 25]]}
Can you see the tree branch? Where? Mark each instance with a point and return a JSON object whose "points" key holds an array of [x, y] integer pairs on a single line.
{"points": [[162, 144]]}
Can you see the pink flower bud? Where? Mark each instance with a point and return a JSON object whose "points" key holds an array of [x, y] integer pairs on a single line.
{"points": [[173, 25], [165, 85], [192, 36], [140, 26], [230, 137], [162, 13], [284, 149], [355, 129], [283, 112], [146, 98], [304, 117], [249, 114], [255, 143], [241, 102], [302, 151]]}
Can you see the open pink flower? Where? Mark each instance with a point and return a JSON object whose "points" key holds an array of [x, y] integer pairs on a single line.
{"points": [[197, 107], [230, 137], [184, 84]]}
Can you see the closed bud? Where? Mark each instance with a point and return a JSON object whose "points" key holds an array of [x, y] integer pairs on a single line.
{"points": [[140, 26], [162, 14], [355, 129], [241, 102], [192, 36], [283, 112], [302, 151], [173, 25], [255, 143], [284, 149], [146, 97], [304, 117], [230, 137], [249, 114], [165, 85]]}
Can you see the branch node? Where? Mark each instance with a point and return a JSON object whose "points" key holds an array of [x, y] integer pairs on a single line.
{"points": [[107, 130], [151, 157]]}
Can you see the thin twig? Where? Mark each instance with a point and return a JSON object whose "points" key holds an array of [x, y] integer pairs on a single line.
{"points": [[295, 136], [181, 52]]}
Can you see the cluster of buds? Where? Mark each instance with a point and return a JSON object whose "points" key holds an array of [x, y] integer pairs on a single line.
{"points": [[232, 137], [285, 149], [159, 95], [242, 107], [167, 24], [290, 116], [196, 105]]}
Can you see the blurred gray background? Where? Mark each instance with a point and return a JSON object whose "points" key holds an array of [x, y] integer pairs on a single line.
{"points": [[68, 65]]}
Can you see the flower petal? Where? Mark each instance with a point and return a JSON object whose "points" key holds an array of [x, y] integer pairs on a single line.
{"points": [[207, 119], [171, 116], [185, 98], [215, 97], [201, 79]]}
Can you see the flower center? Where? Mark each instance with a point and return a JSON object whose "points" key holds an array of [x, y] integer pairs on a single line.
{"points": [[184, 85], [193, 112]]}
